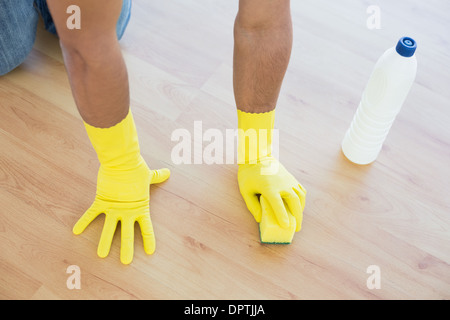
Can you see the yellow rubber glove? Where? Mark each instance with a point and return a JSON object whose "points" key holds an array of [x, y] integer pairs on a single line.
{"points": [[264, 180], [123, 188]]}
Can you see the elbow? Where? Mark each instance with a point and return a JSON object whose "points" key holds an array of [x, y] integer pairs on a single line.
{"points": [[92, 51]]}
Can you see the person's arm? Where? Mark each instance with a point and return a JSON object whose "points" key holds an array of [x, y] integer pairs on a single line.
{"points": [[99, 82], [93, 59], [262, 48]]}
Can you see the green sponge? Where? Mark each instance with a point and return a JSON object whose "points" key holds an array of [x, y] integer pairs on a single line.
{"points": [[270, 231]]}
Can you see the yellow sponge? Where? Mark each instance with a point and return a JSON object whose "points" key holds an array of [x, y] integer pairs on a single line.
{"points": [[270, 231]]}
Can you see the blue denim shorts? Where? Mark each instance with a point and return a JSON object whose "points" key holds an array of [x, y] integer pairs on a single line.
{"points": [[18, 23]]}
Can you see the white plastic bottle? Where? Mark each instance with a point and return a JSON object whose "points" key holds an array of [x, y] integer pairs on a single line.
{"points": [[383, 97]]}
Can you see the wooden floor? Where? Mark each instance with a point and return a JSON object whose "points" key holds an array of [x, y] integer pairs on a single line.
{"points": [[394, 214]]}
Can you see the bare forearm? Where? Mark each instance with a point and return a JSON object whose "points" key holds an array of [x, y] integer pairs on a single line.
{"points": [[99, 86], [262, 48], [94, 61]]}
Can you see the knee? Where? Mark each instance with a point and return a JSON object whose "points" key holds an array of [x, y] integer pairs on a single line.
{"points": [[13, 54], [15, 47], [9, 63]]}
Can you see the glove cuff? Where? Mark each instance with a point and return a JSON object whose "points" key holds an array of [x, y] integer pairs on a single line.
{"points": [[255, 132], [117, 146]]}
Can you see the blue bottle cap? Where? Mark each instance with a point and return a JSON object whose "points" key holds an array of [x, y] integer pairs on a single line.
{"points": [[406, 47]]}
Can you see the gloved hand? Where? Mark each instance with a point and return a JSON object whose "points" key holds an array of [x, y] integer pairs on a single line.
{"points": [[261, 177], [279, 189], [123, 185]]}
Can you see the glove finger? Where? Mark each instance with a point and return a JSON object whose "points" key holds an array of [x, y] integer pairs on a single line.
{"points": [[265, 206], [302, 189], [160, 175], [109, 228], [301, 193], [277, 204], [253, 205], [147, 233], [86, 218], [295, 206], [127, 241]]}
